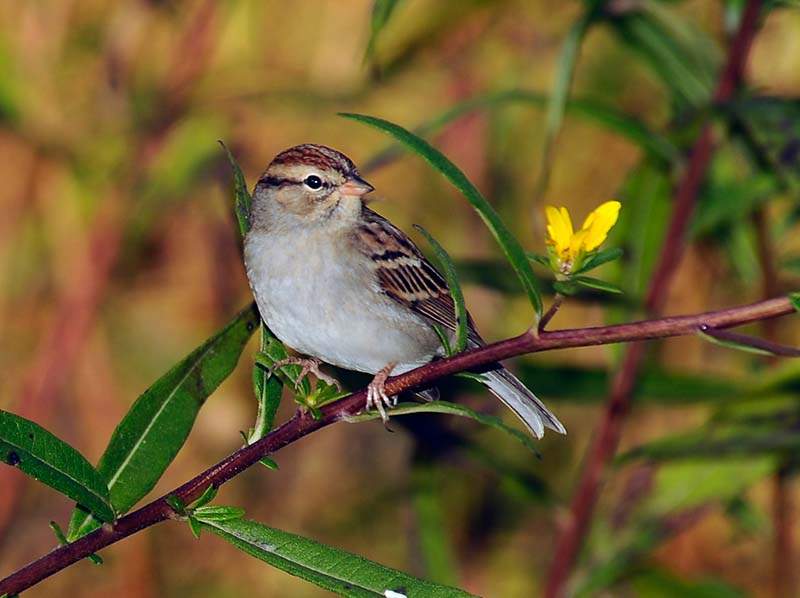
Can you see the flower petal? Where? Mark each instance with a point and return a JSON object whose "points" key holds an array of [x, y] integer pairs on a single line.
{"points": [[559, 228], [598, 223]]}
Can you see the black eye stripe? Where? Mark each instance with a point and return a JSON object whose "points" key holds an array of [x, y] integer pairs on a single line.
{"points": [[272, 181]]}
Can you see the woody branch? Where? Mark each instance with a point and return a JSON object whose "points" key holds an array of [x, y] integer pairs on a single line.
{"points": [[303, 424]]}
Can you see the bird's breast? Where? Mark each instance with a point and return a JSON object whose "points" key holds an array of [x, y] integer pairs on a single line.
{"points": [[322, 299]]}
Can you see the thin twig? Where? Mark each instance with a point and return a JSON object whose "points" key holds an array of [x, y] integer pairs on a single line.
{"points": [[602, 449], [558, 299], [302, 424]]}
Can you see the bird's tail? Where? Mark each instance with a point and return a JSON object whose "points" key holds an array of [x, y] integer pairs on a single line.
{"points": [[536, 417]]}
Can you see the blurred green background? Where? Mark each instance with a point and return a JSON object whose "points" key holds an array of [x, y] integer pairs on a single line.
{"points": [[119, 254]]}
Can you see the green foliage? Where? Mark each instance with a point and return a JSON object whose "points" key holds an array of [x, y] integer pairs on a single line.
{"points": [[449, 269], [795, 299], [771, 127], [658, 147], [450, 409], [335, 570], [510, 246], [155, 428], [684, 58], [268, 390], [241, 197], [557, 102], [382, 11], [38, 453], [435, 547]]}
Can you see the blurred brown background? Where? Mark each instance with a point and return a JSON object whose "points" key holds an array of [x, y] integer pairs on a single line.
{"points": [[119, 254]]}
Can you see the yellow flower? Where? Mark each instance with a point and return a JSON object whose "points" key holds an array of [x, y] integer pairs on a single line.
{"points": [[570, 247]]}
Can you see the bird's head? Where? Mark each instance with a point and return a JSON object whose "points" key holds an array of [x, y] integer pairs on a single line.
{"points": [[310, 184]]}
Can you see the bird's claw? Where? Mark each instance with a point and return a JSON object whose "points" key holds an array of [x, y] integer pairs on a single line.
{"points": [[308, 365], [376, 393]]}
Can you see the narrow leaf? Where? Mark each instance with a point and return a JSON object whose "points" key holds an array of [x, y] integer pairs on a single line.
{"points": [[596, 283], [241, 197], [450, 275], [450, 409], [269, 463], [599, 258], [206, 497], [381, 13], [508, 243], [444, 339], [38, 453], [268, 390], [539, 259], [153, 431], [332, 569], [218, 513], [625, 125], [195, 526], [746, 343], [557, 102]]}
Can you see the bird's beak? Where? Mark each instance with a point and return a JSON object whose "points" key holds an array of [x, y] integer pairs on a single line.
{"points": [[355, 186]]}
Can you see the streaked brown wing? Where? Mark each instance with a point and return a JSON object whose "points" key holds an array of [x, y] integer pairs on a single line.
{"points": [[405, 275]]}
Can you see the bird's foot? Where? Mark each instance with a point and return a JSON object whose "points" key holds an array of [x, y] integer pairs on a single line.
{"points": [[376, 392], [308, 365]]}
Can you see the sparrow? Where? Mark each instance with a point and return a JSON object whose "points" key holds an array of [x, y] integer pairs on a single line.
{"points": [[340, 284]]}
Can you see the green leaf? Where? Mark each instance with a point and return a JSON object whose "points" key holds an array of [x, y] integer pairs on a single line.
{"points": [[539, 259], [332, 569], [450, 409], [599, 258], [206, 497], [510, 246], [269, 463], [195, 526], [218, 513], [795, 299], [274, 352], [59, 534], [381, 13], [556, 105], [268, 390], [565, 287], [38, 453], [748, 344], [771, 123], [685, 59], [241, 197], [657, 146], [596, 283], [176, 504], [444, 261], [155, 428], [444, 339]]}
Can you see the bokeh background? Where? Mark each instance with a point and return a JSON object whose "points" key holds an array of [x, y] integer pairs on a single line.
{"points": [[119, 254]]}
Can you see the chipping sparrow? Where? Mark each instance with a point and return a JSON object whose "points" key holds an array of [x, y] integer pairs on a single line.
{"points": [[340, 284]]}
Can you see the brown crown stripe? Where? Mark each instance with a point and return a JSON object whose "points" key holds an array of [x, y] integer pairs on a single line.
{"points": [[316, 155]]}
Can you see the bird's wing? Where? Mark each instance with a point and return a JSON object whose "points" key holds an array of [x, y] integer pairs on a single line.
{"points": [[405, 275]]}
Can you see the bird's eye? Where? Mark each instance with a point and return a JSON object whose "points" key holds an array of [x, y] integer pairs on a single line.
{"points": [[313, 182]]}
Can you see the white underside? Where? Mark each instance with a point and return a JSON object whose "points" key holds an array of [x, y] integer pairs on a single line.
{"points": [[322, 300]]}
